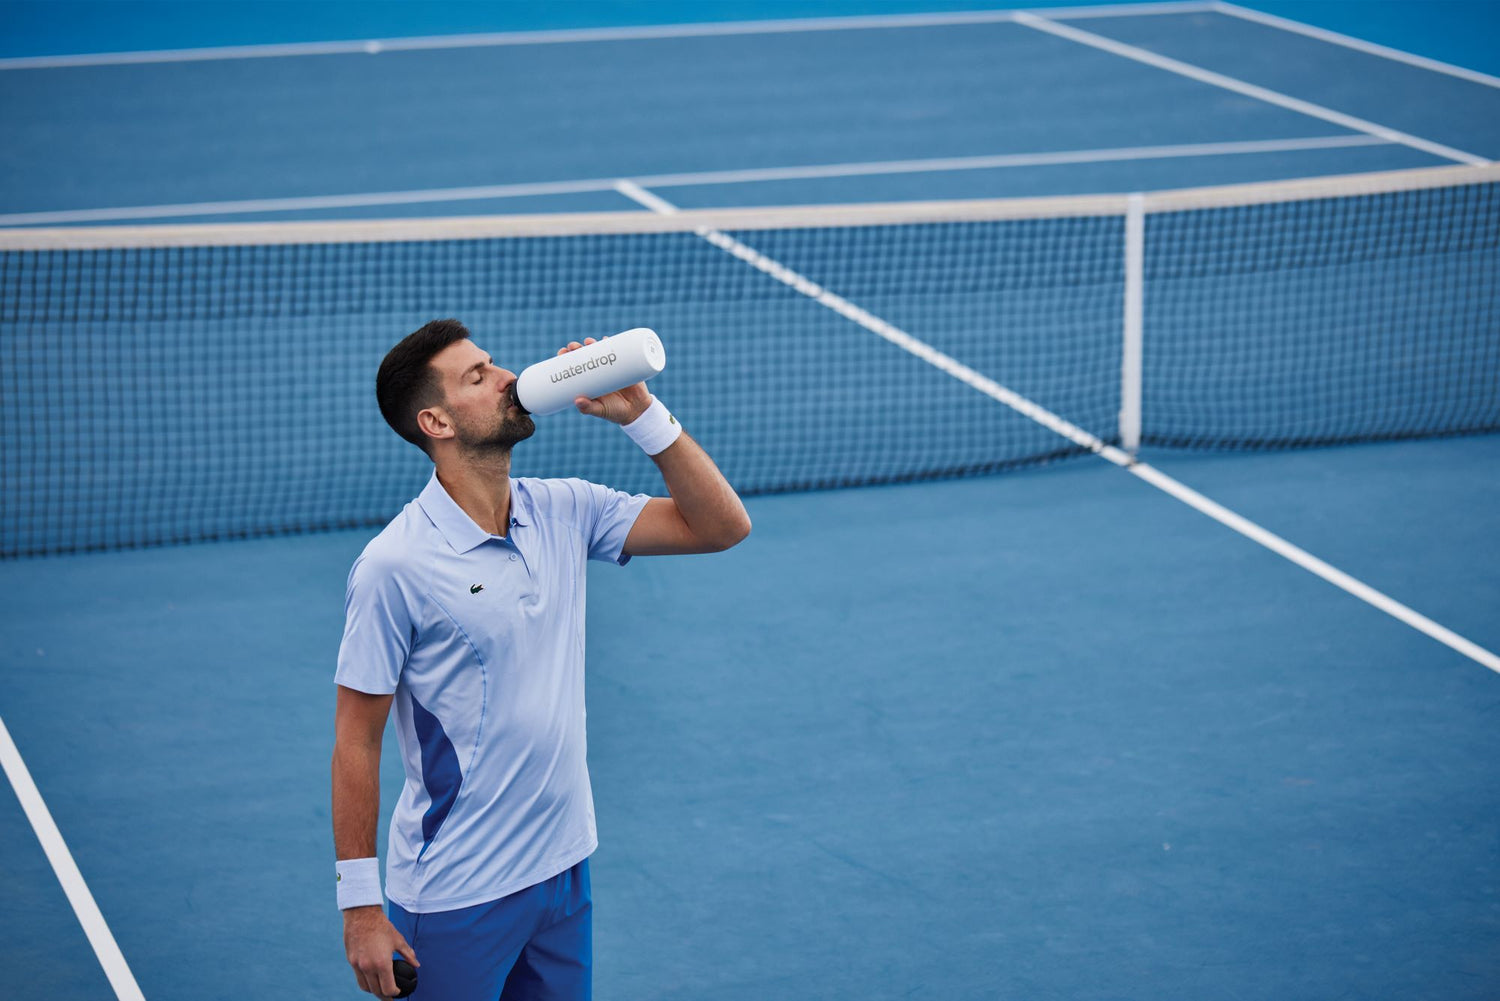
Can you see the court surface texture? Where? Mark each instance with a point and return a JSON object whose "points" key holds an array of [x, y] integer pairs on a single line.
{"points": [[1047, 734]]}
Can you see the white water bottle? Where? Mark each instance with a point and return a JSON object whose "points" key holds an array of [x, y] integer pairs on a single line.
{"points": [[593, 370]]}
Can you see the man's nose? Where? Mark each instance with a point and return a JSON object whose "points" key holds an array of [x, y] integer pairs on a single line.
{"points": [[507, 382]]}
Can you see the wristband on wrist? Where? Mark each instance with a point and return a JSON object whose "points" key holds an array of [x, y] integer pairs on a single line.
{"points": [[655, 429], [358, 882]]}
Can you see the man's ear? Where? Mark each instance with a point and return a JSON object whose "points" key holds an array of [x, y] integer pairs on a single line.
{"points": [[434, 423]]}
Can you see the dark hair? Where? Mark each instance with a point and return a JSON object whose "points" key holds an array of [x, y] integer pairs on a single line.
{"points": [[407, 384]]}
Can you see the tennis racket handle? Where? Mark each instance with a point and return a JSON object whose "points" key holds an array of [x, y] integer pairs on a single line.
{"points": [[602, 367]]}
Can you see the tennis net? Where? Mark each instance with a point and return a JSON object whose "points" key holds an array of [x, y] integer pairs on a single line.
{"points": [[169, 384]]}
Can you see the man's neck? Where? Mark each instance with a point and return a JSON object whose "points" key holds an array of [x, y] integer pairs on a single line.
{"points": [[479, 482]]}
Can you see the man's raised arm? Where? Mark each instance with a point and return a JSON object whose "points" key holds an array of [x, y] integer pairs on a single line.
{"points": [[704, 514]]}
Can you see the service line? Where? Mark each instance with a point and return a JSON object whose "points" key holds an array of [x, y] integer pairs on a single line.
{"points": [[256, 206]]}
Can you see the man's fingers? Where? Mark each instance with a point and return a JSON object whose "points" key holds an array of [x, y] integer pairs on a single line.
{"points": [[378, 978], [407, 952], [574, 345], [388, 986]]}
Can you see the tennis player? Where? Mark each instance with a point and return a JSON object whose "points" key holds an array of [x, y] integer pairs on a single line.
{"points": [[467, 613]]}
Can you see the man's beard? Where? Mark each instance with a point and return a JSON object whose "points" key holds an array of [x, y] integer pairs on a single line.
{"points": [[513, 427]]}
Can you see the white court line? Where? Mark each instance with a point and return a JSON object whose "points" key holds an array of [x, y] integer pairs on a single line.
{"points": [[1359, 44], [1311, 563], [94, 926], [1241, 87], [498, 191], [1006, 160], [376, 46], [1073, 433]]}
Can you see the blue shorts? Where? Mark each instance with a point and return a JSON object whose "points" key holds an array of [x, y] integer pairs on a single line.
{"points": [[533, 945]]}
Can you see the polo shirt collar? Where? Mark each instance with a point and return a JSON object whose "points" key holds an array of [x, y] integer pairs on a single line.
{"points": [[454, 523]]}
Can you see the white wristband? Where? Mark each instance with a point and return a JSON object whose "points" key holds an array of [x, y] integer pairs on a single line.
{"points": [[358, 882], [655, 429]]}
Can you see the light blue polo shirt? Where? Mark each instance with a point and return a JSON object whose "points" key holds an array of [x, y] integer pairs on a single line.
{"points": [[480, 638]]}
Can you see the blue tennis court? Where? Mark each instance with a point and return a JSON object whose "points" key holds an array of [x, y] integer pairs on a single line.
{"points": [[995, 701]]}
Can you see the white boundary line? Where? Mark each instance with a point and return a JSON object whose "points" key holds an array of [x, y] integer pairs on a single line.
{"points": [[376, 46], [1358, 44], [1312, 564], [1241, 87], [749, 176], [1073, 433], [94, 926]]}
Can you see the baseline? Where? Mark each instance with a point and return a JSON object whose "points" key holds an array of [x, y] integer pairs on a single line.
{"points": [[1077, 435], [376, 46]]}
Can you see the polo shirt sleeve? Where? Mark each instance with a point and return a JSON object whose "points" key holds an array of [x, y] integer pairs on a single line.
{"points": [[378, 629], [609, 515]]}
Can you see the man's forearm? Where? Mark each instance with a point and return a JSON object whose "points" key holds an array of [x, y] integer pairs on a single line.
{"points": [[708, 504], [356, 799], [369, 937]]}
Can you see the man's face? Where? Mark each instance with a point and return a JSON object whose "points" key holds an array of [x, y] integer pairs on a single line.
{"points": [[477, 398]]}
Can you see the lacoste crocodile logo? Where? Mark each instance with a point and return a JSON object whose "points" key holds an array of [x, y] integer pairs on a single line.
{"points": [[476, 589]]}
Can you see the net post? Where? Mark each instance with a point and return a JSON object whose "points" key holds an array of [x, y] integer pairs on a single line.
{"points": [[1130, 354]]}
